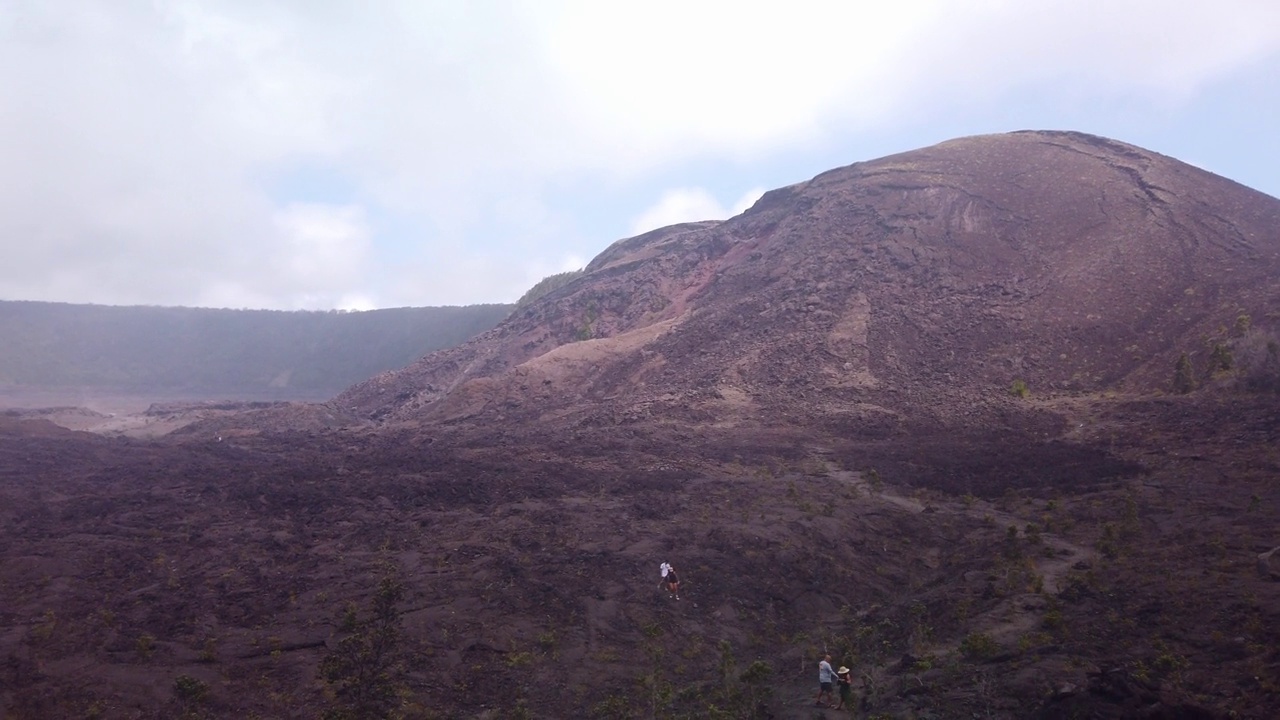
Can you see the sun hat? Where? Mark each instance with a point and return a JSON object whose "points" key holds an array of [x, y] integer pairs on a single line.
{"points": [[843, 670]]}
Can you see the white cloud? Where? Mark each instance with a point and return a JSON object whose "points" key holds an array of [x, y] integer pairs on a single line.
{"points": [[324, 246], [727, 78], [745, 202], [139, 140], [1087, 49], [676, 206], [679, 205], [356, 302]]}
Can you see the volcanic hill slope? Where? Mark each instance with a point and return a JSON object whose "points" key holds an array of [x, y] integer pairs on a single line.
{"points": [[891, 295], [929, 413]]}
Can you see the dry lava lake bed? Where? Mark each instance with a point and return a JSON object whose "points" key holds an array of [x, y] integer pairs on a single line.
{"points": [[1117, 567]]}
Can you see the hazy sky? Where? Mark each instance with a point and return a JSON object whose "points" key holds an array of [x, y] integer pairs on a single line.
{"points": [[325, 153]]}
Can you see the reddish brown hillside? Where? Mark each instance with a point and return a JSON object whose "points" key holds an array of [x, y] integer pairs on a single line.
{"points": [[909, 290]]}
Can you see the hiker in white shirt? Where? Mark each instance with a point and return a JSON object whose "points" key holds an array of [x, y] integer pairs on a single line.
{"points": [[670, 579], [826, 676]]}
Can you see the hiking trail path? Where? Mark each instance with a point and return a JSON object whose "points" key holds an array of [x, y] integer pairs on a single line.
{"points": [[1012, 617]]}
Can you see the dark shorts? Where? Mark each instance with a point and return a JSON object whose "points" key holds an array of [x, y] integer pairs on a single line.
{"points": [[845, 691], [826, 686], [672, 579]]}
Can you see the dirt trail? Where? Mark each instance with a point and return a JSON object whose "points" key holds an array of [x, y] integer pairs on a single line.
{"points": [[1004, 623], [1065, 553]]}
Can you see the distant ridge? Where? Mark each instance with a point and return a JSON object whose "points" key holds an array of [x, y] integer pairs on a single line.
{"points": [[204, 352]]}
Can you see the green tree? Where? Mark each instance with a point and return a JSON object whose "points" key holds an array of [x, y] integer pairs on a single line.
{"points": [[1184, 380], [1220, 359], [363, 670], [190, 693]]}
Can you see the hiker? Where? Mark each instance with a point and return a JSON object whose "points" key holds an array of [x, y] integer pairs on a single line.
{"points": [[825, 677], [846, 688], [670, 579]]}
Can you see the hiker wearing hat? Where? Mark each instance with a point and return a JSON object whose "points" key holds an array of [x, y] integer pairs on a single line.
{"points": [[825, 677], [845, 681]]}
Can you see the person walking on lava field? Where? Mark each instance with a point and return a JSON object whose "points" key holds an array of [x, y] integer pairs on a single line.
{"points": [[826, 676], [670, 579], [845, 682]]}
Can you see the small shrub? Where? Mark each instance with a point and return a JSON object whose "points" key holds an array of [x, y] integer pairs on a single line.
{"points": [[1257, 362], [1220, 358], [757, 673], [521, 711], [1037, 583], [978, 646], [519, 659], [1052, 619], [209, 652], [1168, 661], [1032, 531], [614, 706], [547, 640], [189, 692], [1108, 544], [350, 618], [44, 630], [1184, 380], [145, 645], [1012, 550], [606, 655], [1019, 389], [1033, 640]]}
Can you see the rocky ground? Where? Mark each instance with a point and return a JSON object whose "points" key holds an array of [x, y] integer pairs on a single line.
{"points": [[1111, 570]]}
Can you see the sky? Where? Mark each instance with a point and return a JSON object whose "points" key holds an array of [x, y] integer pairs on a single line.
{"points": [[333, 154]]}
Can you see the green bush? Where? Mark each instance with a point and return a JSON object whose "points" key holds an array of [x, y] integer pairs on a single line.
{"points": [[1052, 619], [189, 692], [1220, 358], [362, 671], [519, 659], [145, 645], [978, 646], [1257, 362], [1184, 380]]}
